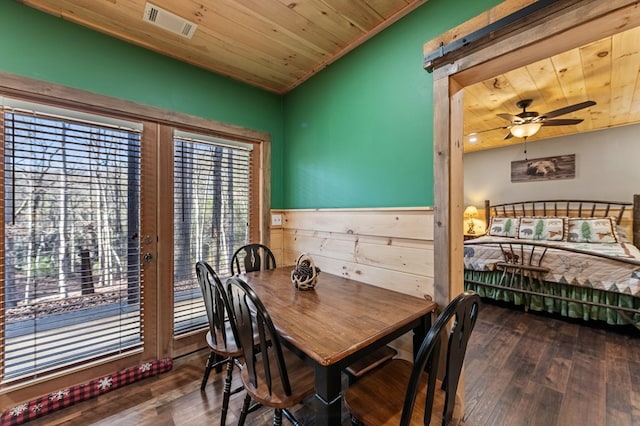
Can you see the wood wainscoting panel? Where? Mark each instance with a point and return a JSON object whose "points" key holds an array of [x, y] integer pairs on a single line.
{"points": [[340, 253], [408, 223]]}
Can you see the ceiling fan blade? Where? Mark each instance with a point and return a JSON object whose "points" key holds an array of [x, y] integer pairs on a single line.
{"points": [[566, 110], [488, 130], [511, 118], [562, 121], [509, 136]]}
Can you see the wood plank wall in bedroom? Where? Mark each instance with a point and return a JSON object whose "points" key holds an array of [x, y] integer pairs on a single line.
{"points": [[386, 247]]}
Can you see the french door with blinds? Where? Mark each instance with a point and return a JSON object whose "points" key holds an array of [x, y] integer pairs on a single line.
{"points": [[72, 276], [105, 214]]}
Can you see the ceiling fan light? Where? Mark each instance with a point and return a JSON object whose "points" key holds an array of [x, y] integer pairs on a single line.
{"points": [[525, 130]]}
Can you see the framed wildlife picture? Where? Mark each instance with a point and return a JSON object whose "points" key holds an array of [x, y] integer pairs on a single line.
{"points": [[547, 168]]}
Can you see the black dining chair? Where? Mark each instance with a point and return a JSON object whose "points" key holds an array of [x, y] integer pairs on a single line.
{"points": [[252, 257], [402, 393], [221, 338], [271, 374]]}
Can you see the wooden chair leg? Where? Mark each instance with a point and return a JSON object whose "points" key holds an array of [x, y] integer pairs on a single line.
{"points": [[218, 362], [245, 410], [207, 370], [277, 417], [226, 392], [291, 417]]}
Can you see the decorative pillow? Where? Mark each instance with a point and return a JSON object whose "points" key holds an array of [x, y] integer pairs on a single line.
{"points": [[542, 228], [504, 226], [592, 230]]}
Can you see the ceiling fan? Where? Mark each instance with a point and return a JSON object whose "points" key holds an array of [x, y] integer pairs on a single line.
{"points": [[527, 123]]}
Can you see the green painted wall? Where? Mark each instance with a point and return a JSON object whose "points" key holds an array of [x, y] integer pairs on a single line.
{"points": [[360, 133], [37, 45]]}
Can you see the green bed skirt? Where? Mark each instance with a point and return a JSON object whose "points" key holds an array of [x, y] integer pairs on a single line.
{"points": [[571, 309]]}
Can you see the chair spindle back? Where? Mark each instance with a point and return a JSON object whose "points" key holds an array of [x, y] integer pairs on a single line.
{"points": [[215, 302], [253, 322], [464, 310], [252, 257]]}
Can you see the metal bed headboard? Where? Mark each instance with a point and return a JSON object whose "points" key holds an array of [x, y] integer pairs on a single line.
{"points": [[572, 208]]}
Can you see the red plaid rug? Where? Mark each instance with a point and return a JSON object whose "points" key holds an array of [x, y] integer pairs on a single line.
{"points": [[65, 397]]}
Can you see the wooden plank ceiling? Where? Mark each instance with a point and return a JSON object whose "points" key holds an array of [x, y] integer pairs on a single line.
{"points": [[606, 71], [272, 44]]}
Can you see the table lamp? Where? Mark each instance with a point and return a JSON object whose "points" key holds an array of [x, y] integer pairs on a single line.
{"points": [[470, 213]]}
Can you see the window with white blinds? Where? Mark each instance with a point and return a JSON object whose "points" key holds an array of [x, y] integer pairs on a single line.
{"points": [[212, 200], [72, 279]]}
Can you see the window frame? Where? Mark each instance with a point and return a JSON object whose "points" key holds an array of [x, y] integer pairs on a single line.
{"points": [[156, 220]]}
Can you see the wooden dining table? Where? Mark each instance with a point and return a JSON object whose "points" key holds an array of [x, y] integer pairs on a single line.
{"points": [[338, 322]]}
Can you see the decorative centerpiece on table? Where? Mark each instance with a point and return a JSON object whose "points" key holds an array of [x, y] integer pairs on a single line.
{"points": [[305, 274]]}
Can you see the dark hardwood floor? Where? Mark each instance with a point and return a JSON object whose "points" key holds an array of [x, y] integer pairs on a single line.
{"points": [[533, 369], [521, 369]]}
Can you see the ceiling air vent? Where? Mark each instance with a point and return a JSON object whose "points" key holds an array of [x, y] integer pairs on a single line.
{"points": [[168, 21]]}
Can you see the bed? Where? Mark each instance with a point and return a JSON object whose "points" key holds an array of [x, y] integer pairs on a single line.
{"points": [[576, 258]]}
